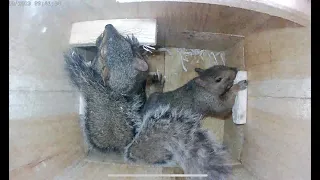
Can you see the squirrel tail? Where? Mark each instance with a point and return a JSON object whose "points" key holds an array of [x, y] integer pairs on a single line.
{"points": [[192, 148], [201, 155]]}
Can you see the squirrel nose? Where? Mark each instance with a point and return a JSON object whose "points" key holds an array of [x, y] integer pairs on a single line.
{"points": [[109, 28]]}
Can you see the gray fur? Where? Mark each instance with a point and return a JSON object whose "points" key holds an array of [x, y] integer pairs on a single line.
{"points": [[202, 94], [112, 103], [118, 54], [211, 93], [109, 116], [178, 134]]}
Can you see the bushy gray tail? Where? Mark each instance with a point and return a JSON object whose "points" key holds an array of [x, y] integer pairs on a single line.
{"points": [[179, 132], [80, 74], [201, 155], [196, 150]]}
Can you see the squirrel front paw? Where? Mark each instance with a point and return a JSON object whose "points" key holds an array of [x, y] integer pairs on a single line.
{"points": [[242, 84], [156, 78]]}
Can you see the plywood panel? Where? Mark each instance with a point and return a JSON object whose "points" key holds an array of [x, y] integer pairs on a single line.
{"points": [[295, 88], [291, 45], [275, 23], [290, 70], [41, 74], [40, 148], [280, 79], [174, 170], [233, 137], [263, 57], [280, 140], [259, 72], [35, 52], [33, 104], [93, 170], [277, 134], [235, 56], [86, 33], [47, 168], [257, 43], [288, 44], [172, 17], [280, 64], [202, 40], [298, 11], [241, 173], [260, 160]]}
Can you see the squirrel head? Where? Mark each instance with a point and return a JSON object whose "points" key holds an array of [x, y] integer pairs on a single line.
{"points": [[122, 65], [216, 79]]}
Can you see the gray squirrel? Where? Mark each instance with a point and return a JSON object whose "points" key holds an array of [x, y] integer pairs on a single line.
{"points": [[177, 134], [120, 63], [210, 93], [113, 88], [168, 134]]}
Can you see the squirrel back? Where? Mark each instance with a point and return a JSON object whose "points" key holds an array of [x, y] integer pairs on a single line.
{"points": [[109, 117], [113, 88]]}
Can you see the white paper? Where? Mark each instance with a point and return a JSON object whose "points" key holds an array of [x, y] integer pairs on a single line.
{"points": [[239, 110]]}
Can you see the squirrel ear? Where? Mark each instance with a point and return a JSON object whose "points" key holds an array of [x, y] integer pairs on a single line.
{"points": [[140, 64], [198, 70], [105, 75], [200, 82]]}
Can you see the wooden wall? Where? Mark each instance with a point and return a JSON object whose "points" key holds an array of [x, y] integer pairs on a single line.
{"points": [[175, 19], [44, 133], [298, 11], [277, 141]]}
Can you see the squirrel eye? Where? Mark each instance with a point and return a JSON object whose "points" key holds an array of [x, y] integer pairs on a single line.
{"points": [[218, 79]]}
